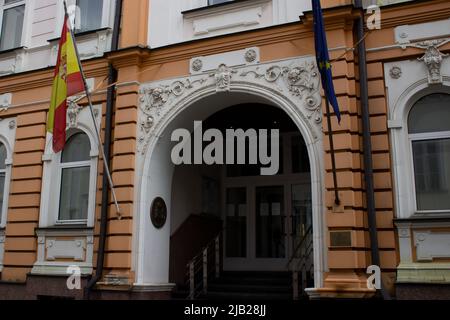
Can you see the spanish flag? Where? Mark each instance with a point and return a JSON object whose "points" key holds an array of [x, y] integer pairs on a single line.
{"points": [[67, 81]]}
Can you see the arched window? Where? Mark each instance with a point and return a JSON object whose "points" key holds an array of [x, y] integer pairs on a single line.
{"points": [[75, 171], [429, 133], [3, 156]]}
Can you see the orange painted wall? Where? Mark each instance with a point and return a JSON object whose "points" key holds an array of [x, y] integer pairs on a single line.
{"points": [[137, 65]]}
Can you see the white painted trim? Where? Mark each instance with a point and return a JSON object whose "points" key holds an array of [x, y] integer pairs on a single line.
{"points": [[7, 138], [47, 265], [4, 7], [51, 178], [403, 93]]}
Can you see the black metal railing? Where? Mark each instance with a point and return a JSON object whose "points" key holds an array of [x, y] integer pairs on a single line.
{"points": [[302, 262], [203, 267]]}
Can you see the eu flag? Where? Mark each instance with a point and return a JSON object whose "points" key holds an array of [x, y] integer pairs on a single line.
{"points": [[323, 59]]}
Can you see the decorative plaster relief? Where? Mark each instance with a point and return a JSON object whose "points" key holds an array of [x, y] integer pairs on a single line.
{"points": [[60, 248], [5, 100], [297, 80], [433, 59], [431, 245], [65, 249], [395, 72], [235, 58]]}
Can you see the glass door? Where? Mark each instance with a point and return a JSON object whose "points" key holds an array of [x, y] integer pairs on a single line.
{"points": [[270, 222]]}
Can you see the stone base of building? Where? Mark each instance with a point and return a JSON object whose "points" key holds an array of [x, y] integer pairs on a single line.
{"points": [[417, 291], [40, 287]]}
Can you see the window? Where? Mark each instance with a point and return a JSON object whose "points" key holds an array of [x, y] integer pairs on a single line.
{"points": [[75, 171], [89, 15], [3, 156], [12, 17], [429, 133]]}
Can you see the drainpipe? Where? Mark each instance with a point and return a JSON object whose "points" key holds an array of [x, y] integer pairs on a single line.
{"points": [[367, 143], [112, 77]]}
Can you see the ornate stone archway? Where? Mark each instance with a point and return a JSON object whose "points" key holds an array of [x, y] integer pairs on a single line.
{"points": [[292, 85]]}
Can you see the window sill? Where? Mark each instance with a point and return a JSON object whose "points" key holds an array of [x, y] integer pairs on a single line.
{"points": [[84, 33], [68, 227], [12, 50], [425, 218], [205, 8]]}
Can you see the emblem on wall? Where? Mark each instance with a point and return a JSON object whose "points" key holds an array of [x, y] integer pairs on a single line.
{"points": [[158, 212]]}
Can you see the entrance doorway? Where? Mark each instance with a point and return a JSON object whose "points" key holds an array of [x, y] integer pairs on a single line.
{"points": [[263, 218]]}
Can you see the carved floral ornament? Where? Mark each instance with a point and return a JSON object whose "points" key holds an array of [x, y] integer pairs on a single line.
{"points": [[300, 81], [433, 58]]}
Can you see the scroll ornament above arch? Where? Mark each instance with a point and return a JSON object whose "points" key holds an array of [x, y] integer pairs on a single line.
{"points": [[296, 80]]}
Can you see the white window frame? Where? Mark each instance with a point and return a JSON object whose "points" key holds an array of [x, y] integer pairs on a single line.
{"points": [[427, 136], [107, 14], [401, 144], [4, 7], [51, 191], [7, 138], [75, 164]]}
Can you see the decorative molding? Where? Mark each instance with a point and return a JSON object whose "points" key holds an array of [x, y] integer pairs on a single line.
{"points": [[431, 245], [250, 55], [297, 80], [293, 85], [429, 272], [5, 100], [65, 249], [223, 77], [197, 65], [73, 111], [232, 59], [61, 248], [12, 124], [433, 59], [395, 72]]}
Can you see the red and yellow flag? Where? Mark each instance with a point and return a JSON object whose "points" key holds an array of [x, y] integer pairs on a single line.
{"points": [[67, 81]]}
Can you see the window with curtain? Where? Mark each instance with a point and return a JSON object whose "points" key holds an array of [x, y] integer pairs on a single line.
{"points": [[75, 172], [12, 17], [3, 155], [89, 15], [429, 133]]}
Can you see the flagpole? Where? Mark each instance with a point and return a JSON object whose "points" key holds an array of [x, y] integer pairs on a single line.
{"points": [[97, 130], [337, 201]]}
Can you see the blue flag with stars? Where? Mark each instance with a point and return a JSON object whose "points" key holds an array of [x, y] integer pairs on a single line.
{"points": [[323, 58]]}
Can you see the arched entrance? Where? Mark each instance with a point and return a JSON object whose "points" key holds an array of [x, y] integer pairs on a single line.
{"points": [[264, 217], [174, 104]]}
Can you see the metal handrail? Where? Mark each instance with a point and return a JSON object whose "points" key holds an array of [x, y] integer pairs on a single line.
{"points": [[202, 260], [301, 265], [299, 245]]}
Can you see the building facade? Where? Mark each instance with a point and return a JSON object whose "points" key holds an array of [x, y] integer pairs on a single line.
{"points": [[231, 64]]}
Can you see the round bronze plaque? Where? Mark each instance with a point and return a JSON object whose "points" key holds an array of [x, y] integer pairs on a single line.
{"points": [[158, 213]]}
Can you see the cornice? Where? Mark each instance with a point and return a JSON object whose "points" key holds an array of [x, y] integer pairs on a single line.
{"points": [[130, 56], [394, 16], [44, 77]]}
